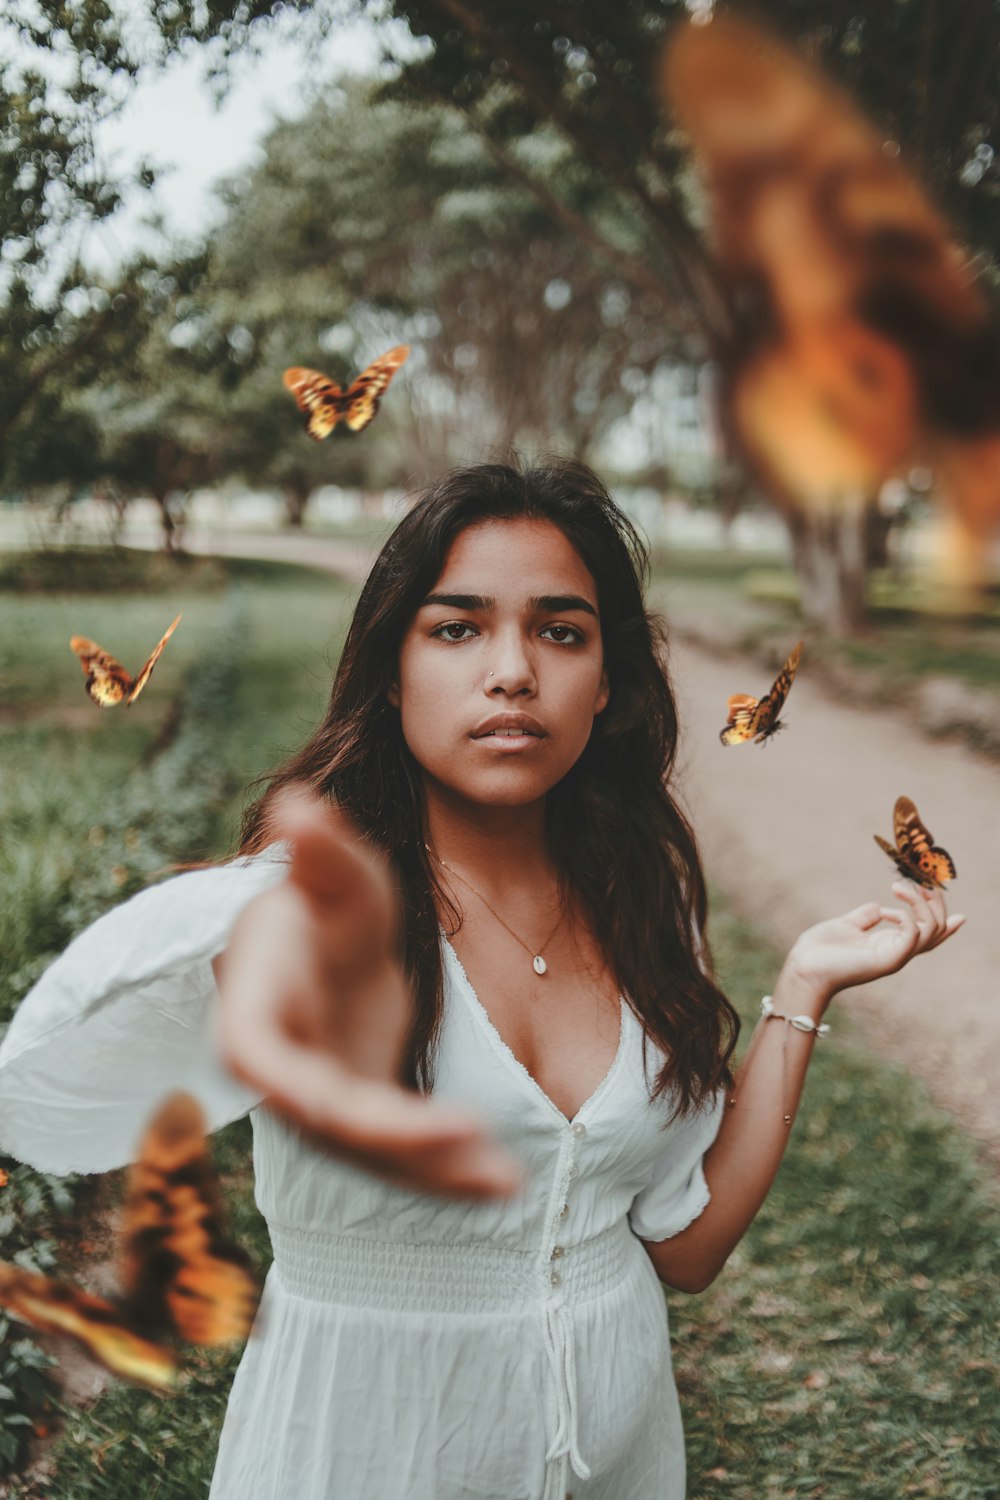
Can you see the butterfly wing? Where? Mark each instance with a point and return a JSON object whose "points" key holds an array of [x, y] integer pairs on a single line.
{"points": [[898, 859], [55, 1307], [178, 1270], [364, 394], [858, 307], [322, 399], [929, 865], [146, 669], [764, 720], [107, 682], [739, 715]]}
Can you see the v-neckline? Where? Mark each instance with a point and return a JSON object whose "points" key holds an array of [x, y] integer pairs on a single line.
{"points": [[479, 1010]]}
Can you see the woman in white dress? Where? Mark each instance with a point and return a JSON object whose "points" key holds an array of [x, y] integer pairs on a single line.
{"points": [[472, 1019]]}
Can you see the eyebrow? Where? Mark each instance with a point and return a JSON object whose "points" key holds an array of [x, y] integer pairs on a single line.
{"points": [[554, 604]]}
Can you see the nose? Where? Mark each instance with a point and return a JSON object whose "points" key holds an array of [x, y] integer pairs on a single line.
{"points": [[510, 668]]}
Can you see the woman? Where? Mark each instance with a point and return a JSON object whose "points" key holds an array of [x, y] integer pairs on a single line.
{"points": [[505, 912]]}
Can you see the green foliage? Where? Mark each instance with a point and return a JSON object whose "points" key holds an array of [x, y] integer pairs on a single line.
{"points": [[89, 815], [850, 1347]]}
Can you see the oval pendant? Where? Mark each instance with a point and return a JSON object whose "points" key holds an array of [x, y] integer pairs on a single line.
{"points": [[538, 964]]}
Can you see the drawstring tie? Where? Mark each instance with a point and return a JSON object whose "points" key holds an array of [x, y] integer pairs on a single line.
{"points": [[564, 1449]]}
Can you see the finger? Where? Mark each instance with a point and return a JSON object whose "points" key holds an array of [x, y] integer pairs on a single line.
{"points": [[329, 859], [924, 916], [864, 916], [950, 927], [379, 1124]]}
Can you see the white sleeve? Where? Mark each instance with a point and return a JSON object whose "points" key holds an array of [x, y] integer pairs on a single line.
{"points": [[125, 1016], [678, 1192]]}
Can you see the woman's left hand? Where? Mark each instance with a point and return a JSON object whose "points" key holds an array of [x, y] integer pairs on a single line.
{"points": [[872, 941]]}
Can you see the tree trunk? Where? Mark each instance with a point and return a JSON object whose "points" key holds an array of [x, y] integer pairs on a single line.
{"points": [[296, 499], [830, 555]]}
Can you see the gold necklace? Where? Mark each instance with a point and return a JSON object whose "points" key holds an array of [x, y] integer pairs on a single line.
{"points": [[537, 961]]}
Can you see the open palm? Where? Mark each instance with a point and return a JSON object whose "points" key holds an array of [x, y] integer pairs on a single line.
{"points": [[872, 941]]}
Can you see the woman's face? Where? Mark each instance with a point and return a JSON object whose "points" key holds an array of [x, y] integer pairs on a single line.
{"points": [[502, 668]]}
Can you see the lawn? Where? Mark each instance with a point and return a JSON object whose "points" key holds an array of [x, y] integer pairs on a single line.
{"points": [[849, 1351]]}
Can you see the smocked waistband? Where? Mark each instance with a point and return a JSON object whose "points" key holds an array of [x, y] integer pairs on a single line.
{"points": [[354, 1271]]}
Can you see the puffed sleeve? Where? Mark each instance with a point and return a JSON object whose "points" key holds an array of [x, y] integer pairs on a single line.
{"points": [[125, 1016], [678, 1192]]}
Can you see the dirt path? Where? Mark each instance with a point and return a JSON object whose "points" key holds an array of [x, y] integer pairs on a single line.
{"points": [[786, 832]]}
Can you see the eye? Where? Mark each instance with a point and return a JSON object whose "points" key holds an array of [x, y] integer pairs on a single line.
{"points": [[447, 631], [565, 635]]}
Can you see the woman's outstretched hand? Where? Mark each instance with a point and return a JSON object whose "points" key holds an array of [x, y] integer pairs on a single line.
{"points": [[872, 941], [314, 1013]]}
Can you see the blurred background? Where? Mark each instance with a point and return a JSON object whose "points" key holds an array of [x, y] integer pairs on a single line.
{"points": [[196, 195]]}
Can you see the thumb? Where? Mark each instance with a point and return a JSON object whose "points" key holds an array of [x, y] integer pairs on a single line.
{"points": [[328, 859]]}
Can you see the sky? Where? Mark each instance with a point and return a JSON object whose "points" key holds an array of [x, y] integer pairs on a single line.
{"points": [[172, 121]]}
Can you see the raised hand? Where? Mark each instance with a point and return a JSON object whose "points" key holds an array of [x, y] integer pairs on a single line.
{"points": [[314, 1012], [872, 941]]}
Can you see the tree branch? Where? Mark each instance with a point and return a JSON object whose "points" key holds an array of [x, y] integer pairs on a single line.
{"points": [[694, 265]]}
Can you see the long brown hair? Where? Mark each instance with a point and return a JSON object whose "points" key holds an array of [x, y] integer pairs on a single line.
{"points": [[621, 845]]}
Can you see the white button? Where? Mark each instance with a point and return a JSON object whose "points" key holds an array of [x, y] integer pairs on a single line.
{"points": [[556, 1279], [573, 1170], [558, 1250], [564, 1211], [579, 1130]]}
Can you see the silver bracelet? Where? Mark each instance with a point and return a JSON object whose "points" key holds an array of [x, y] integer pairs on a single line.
{"points": [[801, 1023]]}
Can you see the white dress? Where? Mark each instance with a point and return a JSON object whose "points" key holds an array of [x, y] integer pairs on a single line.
{"points": [[406, 1347]]}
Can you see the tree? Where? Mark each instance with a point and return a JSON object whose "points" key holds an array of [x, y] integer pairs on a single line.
{"points": [[64, 69], [586, 70]]}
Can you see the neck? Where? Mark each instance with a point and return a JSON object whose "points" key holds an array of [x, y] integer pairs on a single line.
{"points": [[497, 848]]}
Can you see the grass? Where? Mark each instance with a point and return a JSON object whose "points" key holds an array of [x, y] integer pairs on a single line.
{"points": [[67, 764], [901, 644], [848, 1351]]}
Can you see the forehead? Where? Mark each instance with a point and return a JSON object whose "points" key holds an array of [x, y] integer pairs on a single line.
{"points": [[521, 557]]}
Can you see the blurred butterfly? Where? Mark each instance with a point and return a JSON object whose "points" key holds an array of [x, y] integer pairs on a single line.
{"points": [[757, 718], [326, 404], [108, 683], [916, 856], [179, 1276], [859, 342]]}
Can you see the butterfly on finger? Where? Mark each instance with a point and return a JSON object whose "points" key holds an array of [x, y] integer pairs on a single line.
{"points": [[325, 403], [108, 683], [180, 1278], [757, 719], [915, 854]]}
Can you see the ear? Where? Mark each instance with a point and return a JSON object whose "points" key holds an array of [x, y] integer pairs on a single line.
{"points": [[603, 695], [392, 694]]}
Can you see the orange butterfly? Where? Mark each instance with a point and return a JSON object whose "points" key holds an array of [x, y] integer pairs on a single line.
{"points": [[757, 718], [915, 855], [108, 683], [860, 341], [179, 1276], [326, 403]]}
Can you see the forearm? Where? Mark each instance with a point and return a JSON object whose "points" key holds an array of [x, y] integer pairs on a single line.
{"points": [[743, 1162]]}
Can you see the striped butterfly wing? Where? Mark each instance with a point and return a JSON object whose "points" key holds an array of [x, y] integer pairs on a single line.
{"points": [[97, 1325], [147, 667], [740, 710], [181, 1277], [364, 394], [931, 865], [178, 1269], [864, 327], [107, 681], [765, 720], [322, 399]]}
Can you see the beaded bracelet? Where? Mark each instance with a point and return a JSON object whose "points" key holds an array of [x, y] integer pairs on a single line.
{"points": [[801, 1023]]}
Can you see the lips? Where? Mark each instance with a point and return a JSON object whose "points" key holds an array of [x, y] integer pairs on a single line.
{"points": [[508, 726]]}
